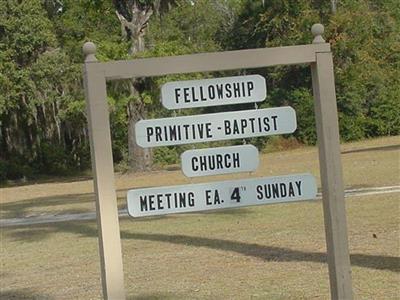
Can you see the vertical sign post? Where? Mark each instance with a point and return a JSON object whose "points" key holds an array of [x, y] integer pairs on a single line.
{"points": [[317, 54], [103, 176], [331, 171]]}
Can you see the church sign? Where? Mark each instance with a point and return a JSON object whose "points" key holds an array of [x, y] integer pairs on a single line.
{"points": [[213, 127]]}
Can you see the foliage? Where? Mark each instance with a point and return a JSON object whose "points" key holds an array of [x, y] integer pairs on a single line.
{"points": [[303, 103], [42, 107], [365, 44], [365, 41]]}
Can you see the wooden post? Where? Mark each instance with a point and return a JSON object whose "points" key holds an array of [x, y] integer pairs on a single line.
{"points": [[103, 175], [331, 171]]}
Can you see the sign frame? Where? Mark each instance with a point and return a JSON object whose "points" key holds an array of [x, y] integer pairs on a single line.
{"points": [[318, 55]]}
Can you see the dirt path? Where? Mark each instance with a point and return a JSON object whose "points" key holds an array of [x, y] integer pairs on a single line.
{"points": [[49, 218]]}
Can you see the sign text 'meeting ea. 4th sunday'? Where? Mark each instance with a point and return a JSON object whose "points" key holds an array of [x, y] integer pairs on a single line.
{"points": [[215, 91], [218, 195], [213, 127]]}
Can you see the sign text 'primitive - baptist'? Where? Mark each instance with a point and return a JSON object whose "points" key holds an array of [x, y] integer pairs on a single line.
{"points": [[214, 127]]}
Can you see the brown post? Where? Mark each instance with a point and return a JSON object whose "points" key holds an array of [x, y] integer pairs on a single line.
{"points": [[103, 175], [331, 171]]}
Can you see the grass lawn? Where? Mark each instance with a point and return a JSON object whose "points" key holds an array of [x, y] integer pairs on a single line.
{"points": [[365, 164], [264, 252]]}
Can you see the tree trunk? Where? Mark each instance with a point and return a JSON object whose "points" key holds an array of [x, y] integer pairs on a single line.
{"points": [[134, 17], [140, 159], [334, 6]]}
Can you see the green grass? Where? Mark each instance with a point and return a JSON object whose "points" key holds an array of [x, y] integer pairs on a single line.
{"points": [[264, 252], [367, 163]]}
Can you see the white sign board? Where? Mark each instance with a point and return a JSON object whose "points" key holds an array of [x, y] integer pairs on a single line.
{"points": [[221, 160], [217, 195], [211, 92], [214, 127]]}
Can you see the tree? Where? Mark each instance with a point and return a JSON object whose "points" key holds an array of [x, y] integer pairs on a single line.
{"points": [[186, 26], [334, 6], [134, 17], [364, 38], [42, 107], [34, 86]]}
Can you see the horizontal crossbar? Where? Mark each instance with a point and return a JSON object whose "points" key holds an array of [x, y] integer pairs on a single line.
{"points": [[205, 62]]}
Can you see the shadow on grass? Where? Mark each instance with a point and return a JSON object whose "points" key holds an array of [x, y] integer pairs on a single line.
{"points": [[21, 208], [242, 211], [382, 148], [268, 253], [42, 179], [263, 252], [22, 294], [157, 296], [37, 233], [32, 234]]}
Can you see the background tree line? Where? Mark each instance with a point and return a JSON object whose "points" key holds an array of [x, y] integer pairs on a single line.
{"points": [[42, 109]]}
